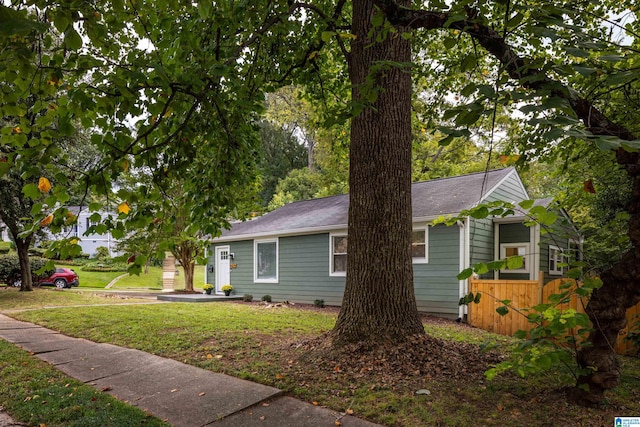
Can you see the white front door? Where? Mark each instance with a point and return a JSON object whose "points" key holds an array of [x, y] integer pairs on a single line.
{"points": [[223, 276]]}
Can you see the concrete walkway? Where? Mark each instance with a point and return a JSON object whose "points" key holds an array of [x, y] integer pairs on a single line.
{"points": [[180, 394]]}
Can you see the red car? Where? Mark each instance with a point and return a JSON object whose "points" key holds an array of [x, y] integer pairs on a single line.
{"points": [[61, 278]]}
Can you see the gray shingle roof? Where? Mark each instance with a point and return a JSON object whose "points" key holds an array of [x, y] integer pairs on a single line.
{"points": [[429, 199]]}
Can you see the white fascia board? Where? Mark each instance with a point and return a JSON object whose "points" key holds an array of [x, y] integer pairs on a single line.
{"points": [[280, 233]]}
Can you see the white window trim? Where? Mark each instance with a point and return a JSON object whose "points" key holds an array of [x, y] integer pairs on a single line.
{"points": [[256, 279], [331, 272], [527, 258], [425, 260], [558, 271]]}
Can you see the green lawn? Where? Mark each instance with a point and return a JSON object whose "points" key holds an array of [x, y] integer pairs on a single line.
{"points": [[260, 344], [13, 299], [93, 279], [40, 395], [153, 279]]}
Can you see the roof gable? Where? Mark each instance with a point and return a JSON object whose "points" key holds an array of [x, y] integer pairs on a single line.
{"points": [[430, 199]]}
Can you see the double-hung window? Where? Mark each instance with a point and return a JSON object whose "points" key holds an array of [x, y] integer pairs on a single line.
{"points": [[555, 261], [338, 255], [265, 256], [420, 245]]}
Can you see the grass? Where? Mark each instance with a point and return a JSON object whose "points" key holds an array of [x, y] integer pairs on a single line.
{"points": [[93, 279], [153, 279], [38, 394], [13, 299], [260, 344]]}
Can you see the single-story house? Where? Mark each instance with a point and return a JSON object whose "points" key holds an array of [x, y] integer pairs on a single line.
{"points": [[298, 252]]}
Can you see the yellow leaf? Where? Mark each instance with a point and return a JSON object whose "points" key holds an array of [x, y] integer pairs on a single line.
{"points": [[209, 356], [279, 376], [124, 208], [46, 220], [312, 55], [44, 185], [337, 423]]}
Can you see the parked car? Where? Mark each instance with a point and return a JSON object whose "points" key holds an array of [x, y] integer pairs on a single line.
{"points": [[60, 278]]}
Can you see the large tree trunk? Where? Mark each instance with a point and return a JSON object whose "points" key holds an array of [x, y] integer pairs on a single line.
{"points": [[607, 311], [22, 247], [379, 301]]}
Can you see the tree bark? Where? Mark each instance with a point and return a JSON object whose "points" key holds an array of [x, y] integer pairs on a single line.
{"points": [[379, 302], [22, 247]]}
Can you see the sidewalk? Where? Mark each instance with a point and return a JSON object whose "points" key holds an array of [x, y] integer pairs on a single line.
{"points": [[180, 394]]}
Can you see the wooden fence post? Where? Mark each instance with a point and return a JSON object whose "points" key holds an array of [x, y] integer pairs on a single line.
{"points": [[540, 286]]}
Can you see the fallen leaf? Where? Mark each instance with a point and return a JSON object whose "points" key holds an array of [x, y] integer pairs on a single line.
{"points": [[337, 423], [314, 403], [202, 393], [279, 376], [174, 390], [262, 418], [423, 391], [349, 411], [265, 404], [209, 356], [105, 389]]}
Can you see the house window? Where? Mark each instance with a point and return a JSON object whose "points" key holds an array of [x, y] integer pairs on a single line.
{"points": [[555, 259], [419, 248], [515, 249], [338, 255], [265, 255]]}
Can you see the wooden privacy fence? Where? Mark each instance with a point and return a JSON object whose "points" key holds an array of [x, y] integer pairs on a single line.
{"points": [[525, 294]]}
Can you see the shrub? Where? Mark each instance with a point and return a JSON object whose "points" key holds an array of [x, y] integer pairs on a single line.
{"points": [[266, 298], [247, 297], [319, 303], [10, 268], [102, 254], [4, 250], [108, 267]]}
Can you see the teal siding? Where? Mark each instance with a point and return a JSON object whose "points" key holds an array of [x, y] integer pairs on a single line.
{"points": [[482, 242], [556, 235], [510, 190], [436, 286], [304, 272]]}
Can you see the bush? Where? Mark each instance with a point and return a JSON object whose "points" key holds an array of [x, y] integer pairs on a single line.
{"points": [[319, 303], [10, 268], [247, 297], [4, 250], [108, 267], [266, 298]]}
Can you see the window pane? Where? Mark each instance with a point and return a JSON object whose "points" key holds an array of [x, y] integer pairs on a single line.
{"points": [[510, 251], [340, 245], [267, 260], [418, 236], [339, 263], [418, 251]]}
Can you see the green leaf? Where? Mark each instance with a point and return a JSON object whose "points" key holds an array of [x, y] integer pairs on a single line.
{"points": [[526, 204], [481, 268], [72, 39], [465, 274], [31, 191], [502, 311], [515, 262], [476, 300], [468, 63], [327, 35], [520, 334]]}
